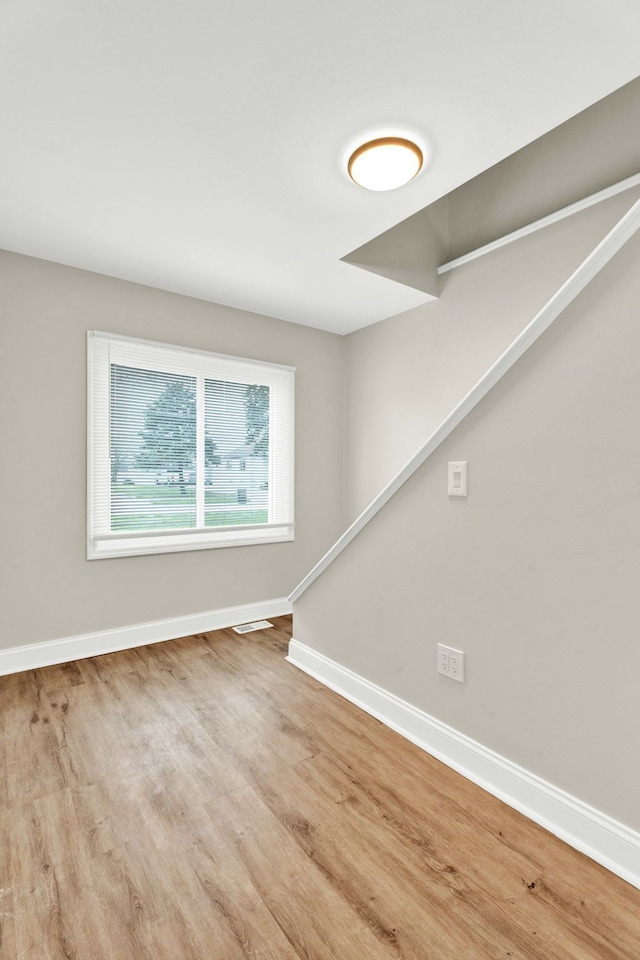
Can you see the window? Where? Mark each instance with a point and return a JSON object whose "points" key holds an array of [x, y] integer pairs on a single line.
{"points": [[187, 450]]}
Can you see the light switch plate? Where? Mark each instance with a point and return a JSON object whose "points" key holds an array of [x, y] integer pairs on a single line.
{"points": [[457, 486]]}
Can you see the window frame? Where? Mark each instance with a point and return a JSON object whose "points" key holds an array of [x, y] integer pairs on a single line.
{"points": [[105, 349]]}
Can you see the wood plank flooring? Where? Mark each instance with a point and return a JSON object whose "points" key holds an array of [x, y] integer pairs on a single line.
{"points": [[202, 799]]}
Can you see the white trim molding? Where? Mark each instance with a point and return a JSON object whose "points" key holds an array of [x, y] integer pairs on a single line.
{"points": [[603, 839], [561, 214], [109, 422], [49, 652], [579, 279]]}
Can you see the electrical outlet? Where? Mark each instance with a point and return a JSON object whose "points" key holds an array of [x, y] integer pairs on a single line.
{"points": [[451, 663], [445, 666]]}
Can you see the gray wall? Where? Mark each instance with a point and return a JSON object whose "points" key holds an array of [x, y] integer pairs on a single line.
{"points": [[587, 153], [48, 589], [405, 374], [535, 576]]}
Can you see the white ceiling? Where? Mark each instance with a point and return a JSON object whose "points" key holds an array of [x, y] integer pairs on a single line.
{"points": [[198, 146]]}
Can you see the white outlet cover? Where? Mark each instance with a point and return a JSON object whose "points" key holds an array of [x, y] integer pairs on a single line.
{"points": [[451, 662]]}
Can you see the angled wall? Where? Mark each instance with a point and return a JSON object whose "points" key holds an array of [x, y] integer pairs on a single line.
{"points": [[534, 576], [405, 374]]}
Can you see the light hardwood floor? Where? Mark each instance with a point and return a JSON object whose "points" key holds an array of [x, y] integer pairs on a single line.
{"points": [[202, 799]]}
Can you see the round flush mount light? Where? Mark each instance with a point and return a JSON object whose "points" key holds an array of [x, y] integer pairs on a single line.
{"points": [[385, 163]]}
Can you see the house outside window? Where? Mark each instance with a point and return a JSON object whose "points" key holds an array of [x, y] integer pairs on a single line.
{"points": [[187, 449]]}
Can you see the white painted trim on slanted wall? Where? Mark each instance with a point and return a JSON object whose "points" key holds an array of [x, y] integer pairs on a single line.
{"points": [[566, 294], [33, 655], [603, 839], [561, 214]]}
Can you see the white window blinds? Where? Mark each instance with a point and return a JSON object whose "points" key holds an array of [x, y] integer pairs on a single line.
{"points": [[187, 449]]}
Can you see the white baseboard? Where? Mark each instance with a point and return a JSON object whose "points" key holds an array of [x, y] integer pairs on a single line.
{"points": [[49, 652], [608, 842]]}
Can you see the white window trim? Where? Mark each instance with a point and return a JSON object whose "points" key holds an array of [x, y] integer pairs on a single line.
{"points": [[106, 348]]}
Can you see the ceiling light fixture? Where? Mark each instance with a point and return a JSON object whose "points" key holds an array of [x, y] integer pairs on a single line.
{"points": [[385, 163]]}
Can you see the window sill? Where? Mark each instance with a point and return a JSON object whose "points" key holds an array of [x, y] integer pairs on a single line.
{"points": [[102, 548]]}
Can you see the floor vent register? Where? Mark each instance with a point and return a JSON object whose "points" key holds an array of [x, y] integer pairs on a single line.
{"points": [[256, 625]]}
